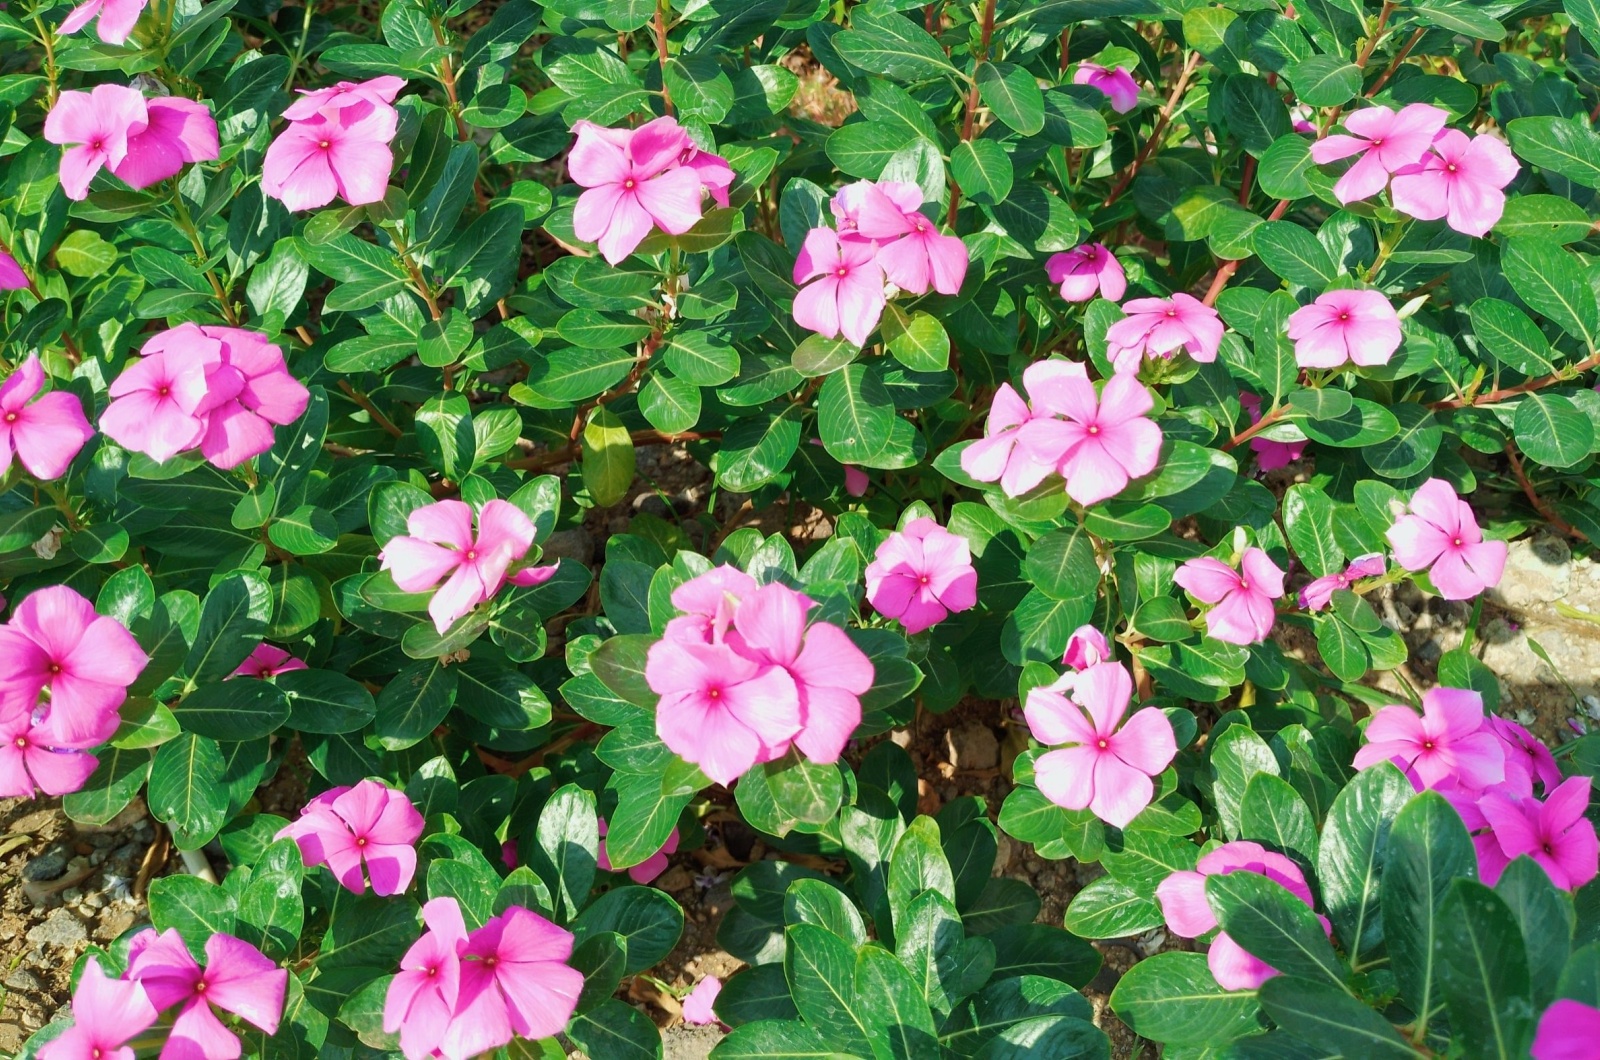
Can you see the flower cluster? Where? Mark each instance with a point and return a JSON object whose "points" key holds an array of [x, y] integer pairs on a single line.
{"points": [[141, 141], [370, 827], [881, 236], [336, 145], [742, 677], [460, 994], [43, 431], [66, 675], [920, 574]]}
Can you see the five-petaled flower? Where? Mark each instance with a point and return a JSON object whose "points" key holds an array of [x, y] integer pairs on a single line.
{"points": [[44, 431], [1345, 327], [1159, 327], [369, 826], [1440, 535], [1447, 745], [920, 574], [1243, 612], [1387, 141], [1086, 272]]}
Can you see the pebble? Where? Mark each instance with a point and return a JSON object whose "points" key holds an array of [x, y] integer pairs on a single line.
{"points": [[23, 980], [61, 928], [1538, 571], [50, 865], [971, 745]]}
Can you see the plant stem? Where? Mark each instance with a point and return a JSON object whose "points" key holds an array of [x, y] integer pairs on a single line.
{"points": [[970, 117], [1566, 375], [1152, 145], [185, 222], [1540, 505], [659, 21], [372, 410]]}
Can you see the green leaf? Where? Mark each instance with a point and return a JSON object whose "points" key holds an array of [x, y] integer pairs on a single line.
{"points": [[892, 45], [413, 704], [1172, 998], [617, 1032], [1274, 813], [1270, 923], [1513, 339], [568, 837], [271, 911], [1012, 95], [887, 993], [1551, 430], [1483, 971], [820, 967], [1308, 517], [1325, 80], [608, 460], [1413, 449], [197, 909], [672, 405], [917, 341], [116, 780], [242, 709], [857, 420], [1295, 254], [1255, 113], [1062, 564], [1354, 847], [1551, 280], [232, 621], [1107, 908], [187, 792], [484, 259], [1317, 1012], [1563, 146]]}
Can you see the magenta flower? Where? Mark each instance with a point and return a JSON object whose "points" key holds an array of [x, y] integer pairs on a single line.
{"points": [[30, 761], [921, 574], [1554, 833], [856, 481], [12, 278], [648, 869], [159, 403], [1568, 1030], [716, 176], [268, 661], [911, 252], [1159, 327], [422, 997], [636, 181], [699, 1007], [340, 153], [1448, 745], [514, 980], [176, 131], [1101, 768], [378, 92], [1105, 440], [56, 644], [440, 542], [1183, 903], [847, 293], [1270, 455], [45, 431], [1460, 180], [1386, 141], [237, 978], [1117, 83], [1319, 593], [1085, 648], [1244, 613], [117, 18], [1004, 454], [1441, 536], [370, 826], [1086, 271], [1527, 759], [106, 1013], [1356, 327]]}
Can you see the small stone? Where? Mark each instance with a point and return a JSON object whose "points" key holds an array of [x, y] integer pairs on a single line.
{"points": [[51, 865], [576, 545], [1538, 571], [61, 928], [972, 745], [71, 894], [23, 980], [94, 900]]}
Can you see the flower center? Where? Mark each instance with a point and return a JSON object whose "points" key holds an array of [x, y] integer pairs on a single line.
{"points": [[1457, 542], [841, 272], [1450, 167], [11, 417], [1091, 255], [163, 391], [1094, 428], [200, 987], [1377, 143], [715, 693], [1548, 849], [55, 668], [1243, 584], [1427, 745], [921, 227], [361, 841], [1102, 744], [1344, 316], [21, 741], [98, 145], [490, 962], [472, 554], [324, 144], [629, 184], [922, 579], [1171, 313]]}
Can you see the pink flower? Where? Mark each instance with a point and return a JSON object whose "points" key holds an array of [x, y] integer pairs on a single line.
{"points": [[866, 210], [1183, 902], [921, 574], [911, 252], [1441, 535], [237, 978], [855, 481], [266, 661], [12, 278], [848, 296], [176, 131], [515, 980], [106, 1012], [1448, 745], [56, 643], [422, 998], [45, 435], [369, 826], [440, 542], [1085, 648], [1105, 440], [1004, 454], [1527, 759], [716, 176], [159, 403], [1117, 83], [1270, 455], [117, 18], [1386, 141], [720, 710], [1318, 593], [648, 869], [1243, 613], [1554, 833], [1102, 768], [1086, 271], [1460, 180], [30, 761], [141, 141], [1568, 1030], [377, 92], [340, 153], [1359, 327], [698, 1007], [635, 182], [1161, 326]]}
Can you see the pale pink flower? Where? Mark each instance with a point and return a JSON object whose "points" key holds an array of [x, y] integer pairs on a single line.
{"points": [[1102, 768], [1244, 613], [515, 980], [106, 1013], [1003, 455], [635, 182], [56, 644], [1460, 180], [159, 403], [422, 997], [97, 124], [30, 761], [1188, 913], [867, 204], [1270, 455], [1554, 833], [1104, 441], [378, 92], [237, 978], [12, 278], [846, 292], [344, 153], [699, 1007], [1319, 592], [117, 18], [648, 869], [1159, 327], [1117, 83], [1528, 760], [1358, 327], [921, 574], [369, 826], [1087, 271], [440, 542], [1447, 746], [268, 660], [708, 602], [716, 176], [1386, 141], [46, 431], [1441, 535], [1568, 1030], [720, 710], [1085, 648], [911, 251], [176, 131]]}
